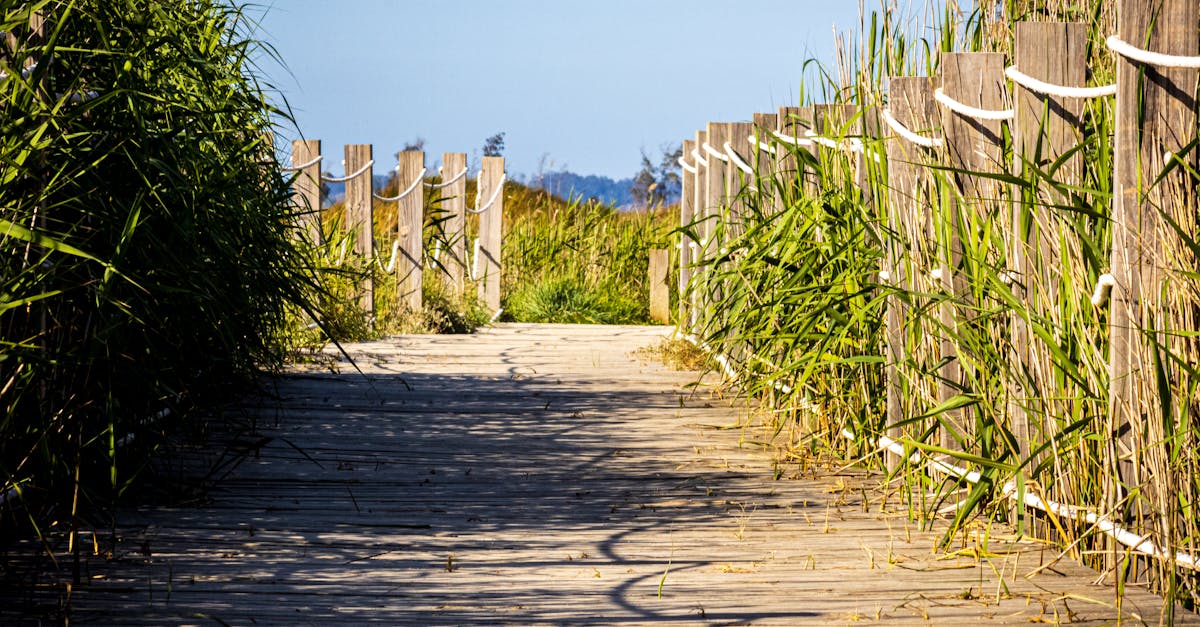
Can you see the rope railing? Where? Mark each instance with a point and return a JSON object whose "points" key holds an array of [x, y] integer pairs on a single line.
{"points": [[1146, 57], [972, 112], [391, 264], [700, 161], [448, 182], [435, 260], [761, 145], [795, 141], [908, 134], [415, 184], [26, 72], [475, 260], [849, 144], [307, 164], [1104, 284], [690, 169], [84, 97], [1137, 542], [716, 154], [349, 177], [492, 200], [1057, 91], [737, 160]]}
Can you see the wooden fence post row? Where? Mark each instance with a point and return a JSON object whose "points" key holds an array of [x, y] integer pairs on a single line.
{"points": [[408, 257], [956, 122]]}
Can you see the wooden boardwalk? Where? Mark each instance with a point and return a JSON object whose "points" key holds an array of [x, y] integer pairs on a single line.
{"points": [[545, 475]]}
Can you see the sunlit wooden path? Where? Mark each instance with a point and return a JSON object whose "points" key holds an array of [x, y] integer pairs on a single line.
{"points": [[543, 475]]}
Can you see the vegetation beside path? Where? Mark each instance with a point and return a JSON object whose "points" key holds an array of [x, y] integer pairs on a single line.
{"points": [[148, 255]]}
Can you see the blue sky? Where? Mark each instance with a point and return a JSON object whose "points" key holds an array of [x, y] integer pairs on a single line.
{"points": [[583, 85]]}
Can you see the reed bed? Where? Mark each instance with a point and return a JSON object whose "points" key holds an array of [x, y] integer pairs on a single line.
{"points": [[798, 303], [579, 262], [149, 256], [563, 261]]}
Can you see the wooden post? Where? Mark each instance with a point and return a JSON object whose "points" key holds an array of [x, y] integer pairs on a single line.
{"points": [[307, 187], [975, 79], [764, 125], [1153, 298], [687, 204], [360, 218], [700, 215], [715, 199], [660, 285], [491, 226], [736, 180], [1043, 130], [766, 164], [833, 121], [452, 261], [797, 177], [410, 228], [907, 249]]}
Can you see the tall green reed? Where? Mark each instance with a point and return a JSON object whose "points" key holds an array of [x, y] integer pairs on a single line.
{"points": [[579, 261], [149, 252], [800, 304]]}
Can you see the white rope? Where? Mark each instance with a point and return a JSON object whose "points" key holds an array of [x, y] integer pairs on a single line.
{"points": [[475, 262], [795, 141], [12, 492], [690, 169], [297, 168], [969, 111], [449, 182], [342, 255], [343, 179], [391, 266], [906, 133], [727, 365], [1134, 53], [733, 155], [25, 72], [492, 200], [699, 160], [1139, 543], [415, 184], [1104, 285], [713, 152], [84, 97], [763, 146], [850, 144], [1058, 91]]}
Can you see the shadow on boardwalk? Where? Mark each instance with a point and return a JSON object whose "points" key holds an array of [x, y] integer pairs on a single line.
{"points": [[537, 475]]}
